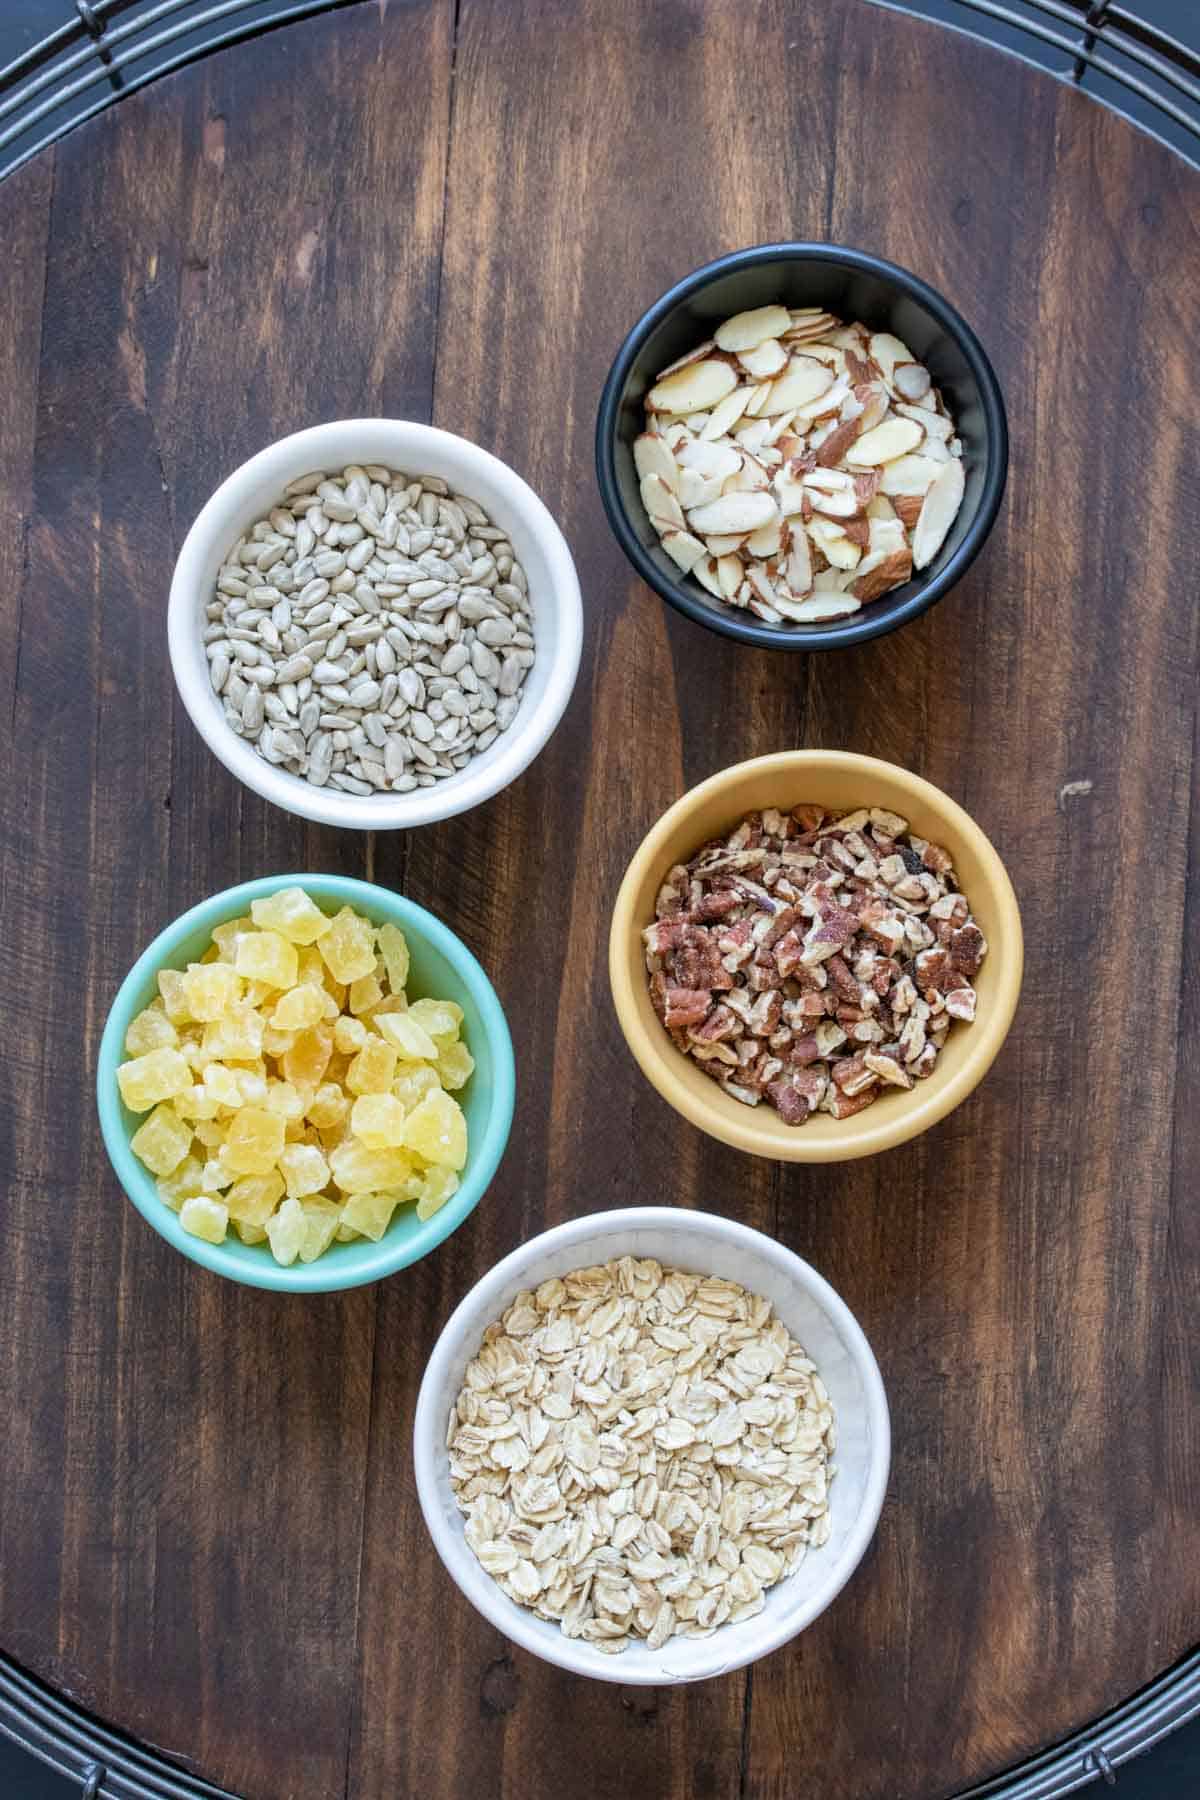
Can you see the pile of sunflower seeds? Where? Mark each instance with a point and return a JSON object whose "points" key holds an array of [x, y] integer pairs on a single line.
{"points": [[641, 1453], [373, 632]]}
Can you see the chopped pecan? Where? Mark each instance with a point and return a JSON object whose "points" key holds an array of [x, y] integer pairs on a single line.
{"points": [[813, 961]]}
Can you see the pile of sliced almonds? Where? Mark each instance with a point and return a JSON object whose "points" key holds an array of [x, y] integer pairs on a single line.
{"points": [[799, 467]]}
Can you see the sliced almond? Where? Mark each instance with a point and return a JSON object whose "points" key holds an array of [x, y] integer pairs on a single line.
{"points": [[758, 399], [750, 477], [833, 543], [729, 574], [820, 607], [798, 568], [738, 512], [723, 544], [761, 585], [933, 424], [908, 507], [683, 549], [935, 450], [886, 536], [764, 360], [805, 380], [890, 572], [790, 493], [705, 571], [652, 455], [938, 513], [842, 505], [895, 437], [858, 530], [907, 475], [692, 389], [766, 541], [696, 489], [726, 413], [660, 502], [912, 380], [827, 403], [873, 398], [887, 351], [880, 507], [831, 581], [810, 323], [835, 443], [681, 362], [746, 329], [709, 459]]}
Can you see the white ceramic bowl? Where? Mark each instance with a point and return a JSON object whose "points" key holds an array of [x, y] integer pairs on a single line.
{"points": [[250, 492], [812, 1312]]}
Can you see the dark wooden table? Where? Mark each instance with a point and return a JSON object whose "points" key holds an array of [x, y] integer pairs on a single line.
{"points": [[208, 1528]]}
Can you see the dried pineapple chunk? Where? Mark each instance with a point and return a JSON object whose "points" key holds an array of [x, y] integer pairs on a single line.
{"points": [[174, 998], [413, 1081], [222, 1084], [162, 1141], [393, 947], [373, 1069], [304, 1169], [268, 957], [377, 1120], [237, 1037], [299, 1008], [196, 1103], [321, 1220], [357, 1170], [252, 1084], [348, 947], [216, 1175], [249, 1234], [286, 1231], [436, 1188], [370, 1214], [159, 1075], [151, 1030], [254, 1198], [407, 1035], [183, 1183], [455, 1065], [328, 1106], [286, 1099], [365, 993], [292, 914], [208, 1132], [253, 1142], [227, 936], [349, 1035], [277, 1043], [205, 1218], [440, 1018], [437, 1131], [211, 990], [304, 1065]]}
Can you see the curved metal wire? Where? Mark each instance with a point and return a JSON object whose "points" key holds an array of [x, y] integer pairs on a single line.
{"points": [[111, 47]]}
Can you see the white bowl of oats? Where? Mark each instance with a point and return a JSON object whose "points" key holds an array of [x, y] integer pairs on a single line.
{"points": [[651, 1446], [375, 624]]}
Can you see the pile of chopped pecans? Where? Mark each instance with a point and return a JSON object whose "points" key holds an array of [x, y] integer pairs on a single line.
{"points": [[641, 1453], [813, 961], [799, 467]]}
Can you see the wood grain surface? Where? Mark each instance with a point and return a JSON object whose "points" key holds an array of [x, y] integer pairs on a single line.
{"points": [[208, 1527]]}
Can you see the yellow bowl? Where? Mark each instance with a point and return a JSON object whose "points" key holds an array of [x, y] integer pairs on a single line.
{"points": [[840, 781]]}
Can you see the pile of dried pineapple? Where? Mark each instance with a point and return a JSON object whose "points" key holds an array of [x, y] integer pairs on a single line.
{"points": [[293, 1091]]}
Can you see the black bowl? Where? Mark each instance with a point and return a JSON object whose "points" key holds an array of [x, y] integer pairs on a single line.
{"points": [[855, 286]]}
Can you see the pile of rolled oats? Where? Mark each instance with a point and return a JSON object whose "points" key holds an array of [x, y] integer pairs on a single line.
{"points": [[814, 962], [799, 467], [641, 1453]]}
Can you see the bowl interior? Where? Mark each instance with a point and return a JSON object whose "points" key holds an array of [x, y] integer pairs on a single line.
{"points": [[880, 301], [250, 492], [812, 1312], [841, 782], [441, 968]]}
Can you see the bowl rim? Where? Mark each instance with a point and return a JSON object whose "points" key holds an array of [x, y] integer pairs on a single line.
{"points": [[528, 734], [858, 1138], [480, 1303], [872, 623], [374, 1260]]}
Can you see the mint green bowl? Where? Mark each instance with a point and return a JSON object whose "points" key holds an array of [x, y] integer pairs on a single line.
{"points": [[441, 968]]}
